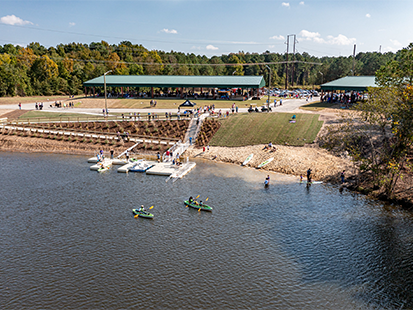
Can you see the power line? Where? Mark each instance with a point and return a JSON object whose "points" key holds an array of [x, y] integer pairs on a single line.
{"points": [[171, 64]]}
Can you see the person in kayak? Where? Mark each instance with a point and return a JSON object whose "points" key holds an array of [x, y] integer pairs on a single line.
{"points": [[142, 209], [191, 200], [267, 180]]}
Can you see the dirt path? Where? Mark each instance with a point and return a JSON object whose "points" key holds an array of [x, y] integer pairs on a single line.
{"points": [[13, 115]]}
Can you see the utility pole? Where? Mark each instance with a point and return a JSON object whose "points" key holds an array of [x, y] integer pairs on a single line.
{"points": [[269, 88], [295, 41], [286, 64], [354, 57]]}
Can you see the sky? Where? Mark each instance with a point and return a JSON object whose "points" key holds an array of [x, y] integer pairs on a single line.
{"points": [[210, 27]]}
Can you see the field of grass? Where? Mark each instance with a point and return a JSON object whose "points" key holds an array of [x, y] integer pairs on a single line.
{"points": [[51, 115], [261, 128], [318, 106], [170, 103], [33, 99]]}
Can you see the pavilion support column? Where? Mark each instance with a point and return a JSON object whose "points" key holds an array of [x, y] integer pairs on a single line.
{"points": [[85, 91], [182, 92], [151, 92], [213, 93], [94, 94], [121, 90]]}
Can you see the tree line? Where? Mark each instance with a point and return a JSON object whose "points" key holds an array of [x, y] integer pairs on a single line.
{"points": [[61, 70]]}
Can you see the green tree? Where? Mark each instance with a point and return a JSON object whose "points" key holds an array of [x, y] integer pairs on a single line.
{"points": [[378, 135]]}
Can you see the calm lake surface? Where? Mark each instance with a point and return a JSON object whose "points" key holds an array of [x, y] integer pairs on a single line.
{"points": [[68, 240]]}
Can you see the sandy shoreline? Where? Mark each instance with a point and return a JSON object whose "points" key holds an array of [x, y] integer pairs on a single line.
{"points": [[287, 159]]}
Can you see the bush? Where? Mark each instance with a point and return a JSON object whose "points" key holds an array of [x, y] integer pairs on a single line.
{"points": [[90, 140]]}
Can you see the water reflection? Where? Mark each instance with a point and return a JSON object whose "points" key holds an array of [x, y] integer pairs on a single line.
{"points": [[69, 240]]}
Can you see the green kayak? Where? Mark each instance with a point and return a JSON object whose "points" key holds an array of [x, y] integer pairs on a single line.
{"points": [[197, 206], [144, 214]]}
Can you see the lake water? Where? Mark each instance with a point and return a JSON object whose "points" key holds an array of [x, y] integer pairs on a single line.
{"points": [[68, 240]]}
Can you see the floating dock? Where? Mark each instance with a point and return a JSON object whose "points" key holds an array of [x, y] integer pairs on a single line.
{"points": [[125, 168], [106, 163], [168, 169]]}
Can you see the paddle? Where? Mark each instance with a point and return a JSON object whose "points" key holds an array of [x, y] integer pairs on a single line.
{"points": [[151, 208], [207, 199]]}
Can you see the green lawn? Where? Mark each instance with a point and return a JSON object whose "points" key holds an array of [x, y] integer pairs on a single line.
{"points": [[33, 99], [317, 106], [52, 115], [261, 128]]}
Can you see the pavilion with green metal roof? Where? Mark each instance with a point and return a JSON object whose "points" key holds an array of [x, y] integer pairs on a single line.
{"points": [[179, 82], [350, 83]]}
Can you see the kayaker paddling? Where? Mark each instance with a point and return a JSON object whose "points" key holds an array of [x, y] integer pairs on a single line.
{"points": [[142, 209]]}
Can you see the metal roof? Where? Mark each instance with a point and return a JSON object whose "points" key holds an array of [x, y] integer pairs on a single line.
{"points": [[179, 81], [356, 83]]}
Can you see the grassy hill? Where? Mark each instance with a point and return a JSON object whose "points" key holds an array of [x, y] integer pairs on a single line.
{"points": [[261, 128]]}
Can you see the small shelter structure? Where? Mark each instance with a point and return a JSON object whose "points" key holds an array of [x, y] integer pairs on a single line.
{"points": [[187, 104]]}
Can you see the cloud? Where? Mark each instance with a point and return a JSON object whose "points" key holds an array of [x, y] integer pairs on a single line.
{"points": [[72, 24], [195, 47], [286, 4], [302, 3], [311, 36], [368, 15], [340, 40], [395, 43], [14, 20], [316, 37], [173, 31], [277, 38], [211, 47]]}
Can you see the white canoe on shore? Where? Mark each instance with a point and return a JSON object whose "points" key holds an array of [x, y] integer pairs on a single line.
{"points": [[248, 159], [265, 162]]}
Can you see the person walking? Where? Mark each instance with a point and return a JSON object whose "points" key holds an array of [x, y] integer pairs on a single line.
{"points": [[309, 175], [342, 176]]}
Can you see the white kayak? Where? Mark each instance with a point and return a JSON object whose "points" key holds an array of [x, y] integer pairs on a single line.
{"points": [[248, 159], [265, 162], [313, 182]]}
